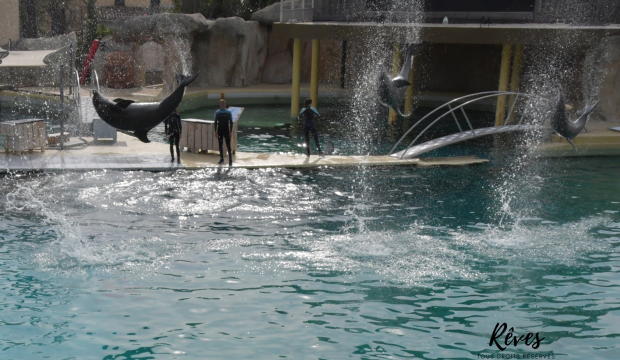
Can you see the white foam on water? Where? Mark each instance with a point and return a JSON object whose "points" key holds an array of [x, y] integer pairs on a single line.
{"points": [[423, 254], [71, 253]]}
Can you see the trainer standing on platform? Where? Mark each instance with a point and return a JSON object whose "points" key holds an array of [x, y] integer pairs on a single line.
{"points": [[223, 128], [173, 129], [307, 114]]}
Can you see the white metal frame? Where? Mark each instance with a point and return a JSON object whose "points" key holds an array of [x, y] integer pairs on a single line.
{"points": [[473, 98]]}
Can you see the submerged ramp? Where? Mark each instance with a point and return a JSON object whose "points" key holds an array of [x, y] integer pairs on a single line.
{"points": [[444, 141]]}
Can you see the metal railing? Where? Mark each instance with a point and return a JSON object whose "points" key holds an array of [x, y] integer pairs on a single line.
{"points": [[296, 10], [77, 94], [466, 100]]}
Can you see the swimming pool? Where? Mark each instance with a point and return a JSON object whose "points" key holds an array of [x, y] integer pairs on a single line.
{"points": [[312, 264]]}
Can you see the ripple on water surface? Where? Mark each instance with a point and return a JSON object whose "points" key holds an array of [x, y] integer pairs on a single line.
{"points": [[297, 263]]}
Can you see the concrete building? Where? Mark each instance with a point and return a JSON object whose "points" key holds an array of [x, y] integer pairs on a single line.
{"points": [[9, 21], [475, 45]]}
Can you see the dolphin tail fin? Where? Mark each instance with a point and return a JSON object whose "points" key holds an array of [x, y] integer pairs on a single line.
{"points": [[404, 115], [141, 135], [180, 77], [185, 80], [573, 145], [580, 123]]}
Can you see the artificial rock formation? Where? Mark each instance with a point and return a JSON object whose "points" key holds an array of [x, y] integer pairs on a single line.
{"points": [[175, 32], [268, 15], [119, 70], [231, 53], [42, 75], [226, 51]]}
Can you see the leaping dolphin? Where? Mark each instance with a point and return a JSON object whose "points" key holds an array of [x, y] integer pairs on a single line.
{"points": [[140, 118], [387, 89], [387, 92], [565, 128], [403, 77]]}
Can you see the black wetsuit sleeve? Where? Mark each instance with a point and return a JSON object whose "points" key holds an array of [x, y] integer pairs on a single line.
{"points": [[166, 126], [180, 126], [230, 123], [215, 124]]}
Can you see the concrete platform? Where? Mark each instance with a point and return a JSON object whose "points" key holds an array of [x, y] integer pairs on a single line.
{"points": [[599, 141], [156, 157]]}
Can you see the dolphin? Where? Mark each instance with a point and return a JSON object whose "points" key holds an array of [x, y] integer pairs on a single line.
{"points": [[128, 115], [329, 148], [402, 79], [387, 88], [387, 92], [565, 128]]}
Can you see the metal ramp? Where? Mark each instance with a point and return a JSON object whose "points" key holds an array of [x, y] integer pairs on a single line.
{"points": [[413, 151], [434, 144]]}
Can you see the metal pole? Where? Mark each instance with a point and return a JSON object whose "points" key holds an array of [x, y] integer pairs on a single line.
{"points": [[504, 77], [455, 119], [343, 64], [11, 72], [314, 73], [296, 77], [70, 68], [62, 106]]}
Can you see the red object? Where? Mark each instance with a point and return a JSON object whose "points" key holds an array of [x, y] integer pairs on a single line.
{"points": [[88, 61]]}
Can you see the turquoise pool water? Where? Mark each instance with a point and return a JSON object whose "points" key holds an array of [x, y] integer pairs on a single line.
{"points": [[357, 263]]}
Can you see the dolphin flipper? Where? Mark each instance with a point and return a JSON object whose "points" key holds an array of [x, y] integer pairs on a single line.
{"points": [[141, 135], [399, 82], [573, 145]]}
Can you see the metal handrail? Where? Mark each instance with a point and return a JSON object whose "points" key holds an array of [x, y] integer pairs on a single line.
{"points": [[434, 111], [492, 94], [481, 95], [78, 94], [97, 79]]}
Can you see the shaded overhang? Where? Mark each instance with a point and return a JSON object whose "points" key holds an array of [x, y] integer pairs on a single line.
{"points": [[527, 34]]}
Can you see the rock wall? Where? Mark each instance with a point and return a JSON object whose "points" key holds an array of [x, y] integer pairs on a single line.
{"points": [[42, 76], [227, 51], [231, 52]]}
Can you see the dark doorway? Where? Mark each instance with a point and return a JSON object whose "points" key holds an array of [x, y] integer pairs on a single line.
{"points": [[480, 5]]}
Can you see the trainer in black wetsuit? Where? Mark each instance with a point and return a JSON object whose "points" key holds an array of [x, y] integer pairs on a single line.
{"points": [[223, 128], [173, 129], [307, 115]]}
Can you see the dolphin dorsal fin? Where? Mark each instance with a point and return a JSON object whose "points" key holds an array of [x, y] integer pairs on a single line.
{"points": [[141, 135], [123, 102]]}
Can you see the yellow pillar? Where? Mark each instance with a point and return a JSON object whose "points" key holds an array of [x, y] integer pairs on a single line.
{"points": [[515, 78], [296, 78], [504, 74], [409, 93], [314, 73], [395, 69]]}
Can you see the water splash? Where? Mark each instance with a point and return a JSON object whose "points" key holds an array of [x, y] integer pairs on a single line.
{"points": [[71, 253]]}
